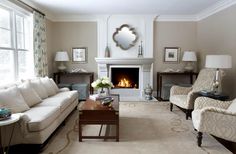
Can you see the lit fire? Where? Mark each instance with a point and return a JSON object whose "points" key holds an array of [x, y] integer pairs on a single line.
{"points": [[124, 83]]}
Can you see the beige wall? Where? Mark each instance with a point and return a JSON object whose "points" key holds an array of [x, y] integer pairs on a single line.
{"points": [[213, 35], [217, 35], [172, 34], [65, 35]]}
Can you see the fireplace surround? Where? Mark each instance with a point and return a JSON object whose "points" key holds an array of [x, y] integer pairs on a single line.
{"points": [[145, 77]]}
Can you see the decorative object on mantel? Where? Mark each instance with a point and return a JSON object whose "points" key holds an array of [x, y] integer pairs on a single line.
{"points": [[79, 54], [148, 92], [74, 70], [171, 54], [61, 56], [125, 37], [189, 57], [107, 50], [102, 83], [218, 62], [140, 50]]}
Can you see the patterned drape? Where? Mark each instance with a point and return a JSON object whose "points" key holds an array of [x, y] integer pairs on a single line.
{"points": [[40, 46]]}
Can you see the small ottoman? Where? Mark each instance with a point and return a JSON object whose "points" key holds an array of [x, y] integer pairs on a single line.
{"points": [[83, 90]]}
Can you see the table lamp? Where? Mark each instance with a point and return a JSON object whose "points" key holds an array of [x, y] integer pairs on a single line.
{"points": [[189, 57], [218, 62], [61, 56]]}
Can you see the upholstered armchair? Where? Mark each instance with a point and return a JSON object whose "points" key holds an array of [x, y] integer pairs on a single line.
{"points": [[214, 117], [184, 97]]}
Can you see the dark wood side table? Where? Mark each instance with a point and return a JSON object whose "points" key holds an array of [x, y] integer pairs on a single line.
{"points": [[160, 76], [221, 96], [57, 77]]}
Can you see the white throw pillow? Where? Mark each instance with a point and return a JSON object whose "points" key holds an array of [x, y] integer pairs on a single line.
{"points": [[30, 95], [54, 85], [12, 99], [48, 86], [39, 88]]}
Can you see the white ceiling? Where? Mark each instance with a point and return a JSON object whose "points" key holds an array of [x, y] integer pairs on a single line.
{"points": [[160, 7], [59, 8]]}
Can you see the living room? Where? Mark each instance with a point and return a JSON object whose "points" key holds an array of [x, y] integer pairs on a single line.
{"points": [[88, 28]]}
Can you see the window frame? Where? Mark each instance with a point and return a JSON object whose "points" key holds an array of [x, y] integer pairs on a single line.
{"points": [[14, 12]]}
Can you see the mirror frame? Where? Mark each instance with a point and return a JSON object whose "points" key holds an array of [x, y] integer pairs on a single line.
{"points": [[130, 29]]}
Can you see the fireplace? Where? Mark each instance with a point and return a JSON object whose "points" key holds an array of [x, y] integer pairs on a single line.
{"points": [[125, 77]]}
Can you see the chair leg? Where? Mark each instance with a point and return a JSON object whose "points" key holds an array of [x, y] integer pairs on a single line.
{"points": [[171, 107], [188, 113], [199, 139]]}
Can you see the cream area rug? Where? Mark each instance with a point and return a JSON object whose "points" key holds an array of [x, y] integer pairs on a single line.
{"points": [[145, 128]]}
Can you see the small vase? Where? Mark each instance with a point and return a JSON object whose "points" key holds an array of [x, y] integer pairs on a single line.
{"points": [[107, 52], [102, 92]]}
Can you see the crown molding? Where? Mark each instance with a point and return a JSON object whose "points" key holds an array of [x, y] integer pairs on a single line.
{"points": [[77, 18], [170, 18], [215, 8]]}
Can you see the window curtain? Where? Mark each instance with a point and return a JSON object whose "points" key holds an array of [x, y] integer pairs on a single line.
{"points": [[40, 46]]}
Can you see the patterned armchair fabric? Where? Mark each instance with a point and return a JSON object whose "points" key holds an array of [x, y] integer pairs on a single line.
{"points": [[215, 117], [184, 97]]}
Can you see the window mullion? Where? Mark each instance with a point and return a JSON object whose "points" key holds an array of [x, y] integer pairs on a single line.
{"points": [[15, 52]]}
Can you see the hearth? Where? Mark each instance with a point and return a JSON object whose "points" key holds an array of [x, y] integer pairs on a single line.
{"points": [[125, 77]]}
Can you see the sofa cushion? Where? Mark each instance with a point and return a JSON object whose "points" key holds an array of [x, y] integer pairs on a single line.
{"points": [[54, 85], [29, 94], [39, 88], [12, 99], [232, 107], [41, 117], [48, 86], [72, 95], [62, 100]]}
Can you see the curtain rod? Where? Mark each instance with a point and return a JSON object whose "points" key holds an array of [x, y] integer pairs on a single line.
{"points": [[20, 2]]}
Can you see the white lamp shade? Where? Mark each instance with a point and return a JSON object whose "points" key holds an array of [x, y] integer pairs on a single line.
{"points": [[189, 56], [62, 56], [218, 61]]}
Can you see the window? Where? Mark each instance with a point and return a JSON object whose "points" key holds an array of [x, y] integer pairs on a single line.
{"points": [[16, 54]]}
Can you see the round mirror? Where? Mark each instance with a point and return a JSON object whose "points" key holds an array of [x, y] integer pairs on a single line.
{"points": [[125, 37]]}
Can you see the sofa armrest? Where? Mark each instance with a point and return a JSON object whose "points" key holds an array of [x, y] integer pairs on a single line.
{"points": [[24, 119], [64, 89], [202, 102], [177, 90]]}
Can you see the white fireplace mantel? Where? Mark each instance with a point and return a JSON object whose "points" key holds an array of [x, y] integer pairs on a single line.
{"points": [[127, 61]]}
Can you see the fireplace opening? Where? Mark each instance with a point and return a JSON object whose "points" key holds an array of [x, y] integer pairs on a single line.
{"points": [[125, 77]]}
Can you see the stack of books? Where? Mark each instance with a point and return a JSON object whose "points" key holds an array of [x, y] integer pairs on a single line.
{"points": [[97, 97]]}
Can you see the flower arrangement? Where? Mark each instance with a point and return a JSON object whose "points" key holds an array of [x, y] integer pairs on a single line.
{"points": [[103, 82]]}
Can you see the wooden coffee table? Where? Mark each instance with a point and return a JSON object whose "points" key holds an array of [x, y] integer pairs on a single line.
{"points": [[94, 113]]}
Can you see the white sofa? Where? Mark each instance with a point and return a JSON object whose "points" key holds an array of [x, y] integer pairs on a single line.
{"points": [[42, 106]]}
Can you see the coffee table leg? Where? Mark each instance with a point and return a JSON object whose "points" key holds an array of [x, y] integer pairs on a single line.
{"points": [[117, 131], [80, 132]]}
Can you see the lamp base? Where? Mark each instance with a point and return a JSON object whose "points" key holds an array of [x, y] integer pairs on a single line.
{"points": [[61, 67], [189, 67]]}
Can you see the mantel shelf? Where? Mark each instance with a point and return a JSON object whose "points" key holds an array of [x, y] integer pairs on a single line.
{"points": [[138, 61]]}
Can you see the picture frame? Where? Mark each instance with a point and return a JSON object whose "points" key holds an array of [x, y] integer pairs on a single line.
{"points": [[171, 54], [79, 54]]}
